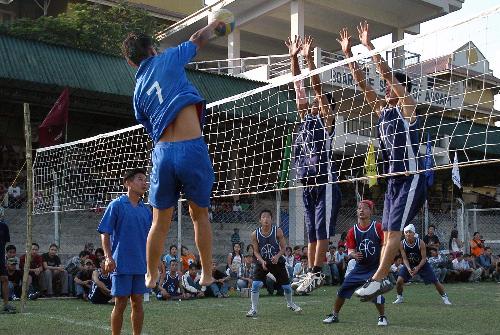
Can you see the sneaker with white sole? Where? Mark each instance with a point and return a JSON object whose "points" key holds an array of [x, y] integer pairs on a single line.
{"points": [[295, 308], [372, 288], [251, 313], [382, 321], [399, 300], [446, 300], [309, 282], [331, 319]]}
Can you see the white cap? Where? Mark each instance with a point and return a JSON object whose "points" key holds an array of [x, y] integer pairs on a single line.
{"points": [[409, 227]]}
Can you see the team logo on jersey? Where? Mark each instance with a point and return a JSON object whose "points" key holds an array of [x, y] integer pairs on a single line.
{"points": [[267, 251], [413, 257], [305, 139], [387, 134], [367, 247]]}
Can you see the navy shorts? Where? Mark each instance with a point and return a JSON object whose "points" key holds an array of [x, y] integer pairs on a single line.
{"points": [[426, 273], [181, 166], [404, 198], [124, 285], [97, 297], [356, 278], [322, 204]]}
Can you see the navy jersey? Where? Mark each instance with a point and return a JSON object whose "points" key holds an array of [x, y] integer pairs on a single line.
{"points": [[413, 252], [162, 89], [399, 142], [171, 284], [313, 152], [95, 294], [268, 245], [368, 243]]}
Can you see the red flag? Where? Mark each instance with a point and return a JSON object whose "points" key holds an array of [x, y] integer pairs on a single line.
{"points": [[52, 129]]}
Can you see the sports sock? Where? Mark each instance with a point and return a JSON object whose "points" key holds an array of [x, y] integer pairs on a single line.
{"points": [[287, 289], [254, 295], [335, 314]]}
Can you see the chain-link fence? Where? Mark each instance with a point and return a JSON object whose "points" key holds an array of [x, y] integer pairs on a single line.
{"points": [[486, 221]]}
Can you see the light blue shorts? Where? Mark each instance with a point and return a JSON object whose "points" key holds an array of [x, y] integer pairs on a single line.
{"points": [[181, 166]]}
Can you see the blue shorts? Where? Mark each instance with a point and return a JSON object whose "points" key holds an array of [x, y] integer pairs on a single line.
{"points": [[181, 166], [356, 278], [426, 273], [322, 204], [126, 285], [404, 198]]}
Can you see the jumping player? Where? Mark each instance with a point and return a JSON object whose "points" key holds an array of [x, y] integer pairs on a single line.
{"points": [[314, 165], [397, 130], [414, 253], [364, 244], [124, 228], [172, 112], [269, 246]]}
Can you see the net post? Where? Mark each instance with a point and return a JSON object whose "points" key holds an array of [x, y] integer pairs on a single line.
{"points": [[179, 233], [426, 217], [278, 208], [29, 204], [460, 220], [474, 220], [57, 226]]}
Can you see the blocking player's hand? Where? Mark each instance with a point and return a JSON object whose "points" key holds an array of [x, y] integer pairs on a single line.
{"points": [[109, 265], [275, 259], [264, 265]]}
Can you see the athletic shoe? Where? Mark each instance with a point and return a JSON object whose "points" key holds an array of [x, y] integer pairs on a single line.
{"points": [[399, 300], [446, 300], [251, 313], [15, 298], [8, 309], [372, 288], [294, 308], [34, 296], [309, 282], [382, 321], [331, 319]]}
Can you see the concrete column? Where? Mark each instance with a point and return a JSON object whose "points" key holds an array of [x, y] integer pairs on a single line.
{"points": [[295, 211], [233, 51], [398, 54], [297, 18]]}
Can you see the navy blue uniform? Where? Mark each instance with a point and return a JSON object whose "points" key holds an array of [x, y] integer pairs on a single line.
{"points": [[171, 284], [399, 144], [414, 257], [369, 243], [314, 165], [268, 247], [96, 296]]}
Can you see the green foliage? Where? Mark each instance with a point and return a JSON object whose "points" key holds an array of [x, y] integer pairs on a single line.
{"points": [[87, 26]]}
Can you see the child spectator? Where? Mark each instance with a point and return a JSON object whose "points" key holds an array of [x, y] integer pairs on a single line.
{"points": [[437, 264], [100, 293], [15, 278], [330, 257], [11, 252], [191, 283], [297, 254], [299, 270], [289, 262], [246, 271], [395, 267], [75, 265], [171, 289], [83, 280], [187, 258], [172, 254], [219, 287]]}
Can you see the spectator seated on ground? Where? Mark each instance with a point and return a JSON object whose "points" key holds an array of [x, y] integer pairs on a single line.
{"points": [[83, 280], [479, 271], [395, 267], [486, 262], [234, 261], [35, 269], [431, 240], [99, 255], [332, 265], [172, 254], [300, 270], [89, 247], [15, 278], [171, 288], [74, 265], [55, 276], [190, 282], [245, 273], [341, 259], [219, 287], [100, 292], [465, 273], [476, 245], [451, 274], [289, 262], [11, 252], [437, 263], [455, 244], [187, 258], [297, 254]]}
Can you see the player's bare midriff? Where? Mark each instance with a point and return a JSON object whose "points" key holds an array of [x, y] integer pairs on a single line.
{"points": [[186, 126]]}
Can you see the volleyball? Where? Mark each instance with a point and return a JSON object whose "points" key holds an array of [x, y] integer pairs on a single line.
{"points": [[228, 18]]}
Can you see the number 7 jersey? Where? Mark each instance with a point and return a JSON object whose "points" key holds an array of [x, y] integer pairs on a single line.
{"points": [[162, 89]]}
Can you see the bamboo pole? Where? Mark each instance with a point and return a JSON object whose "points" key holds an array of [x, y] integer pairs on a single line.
{"points": [[29, 203]]}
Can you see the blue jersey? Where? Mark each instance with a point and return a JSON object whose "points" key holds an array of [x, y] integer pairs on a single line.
{"points": [[368, 242], [171, 284], [313, 152], [399, 142], [95, 295], [268, 245], [162, 89], [413, 252], [128, 227]]}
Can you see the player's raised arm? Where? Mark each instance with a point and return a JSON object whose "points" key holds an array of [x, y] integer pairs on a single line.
{"points": [[202, 36], [385, 71], [294, 47], [325, 108], [357, 73]]}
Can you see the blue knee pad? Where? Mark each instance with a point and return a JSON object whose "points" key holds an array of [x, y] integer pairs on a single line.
{"points": [[287, 288], [256, 285]]}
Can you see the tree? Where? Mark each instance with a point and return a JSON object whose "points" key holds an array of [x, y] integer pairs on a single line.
{"points": [[87, 26]]}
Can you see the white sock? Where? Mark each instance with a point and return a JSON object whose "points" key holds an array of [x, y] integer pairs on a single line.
{"points": [[255, 300]]}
